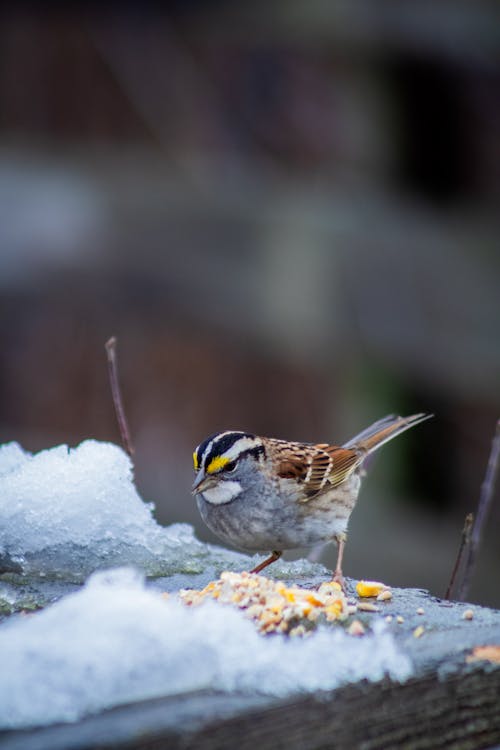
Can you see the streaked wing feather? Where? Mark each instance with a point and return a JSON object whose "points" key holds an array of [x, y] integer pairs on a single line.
{"points": [[330, 467], [317, 466], [292, 467]]}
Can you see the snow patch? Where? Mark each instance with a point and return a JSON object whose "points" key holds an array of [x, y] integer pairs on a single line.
{"points": [[69, 511]]}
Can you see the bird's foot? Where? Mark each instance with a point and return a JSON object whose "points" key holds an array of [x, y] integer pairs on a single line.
{"points": [[339, 578], [272, 558]]}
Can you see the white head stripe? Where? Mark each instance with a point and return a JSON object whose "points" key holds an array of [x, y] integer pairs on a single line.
{"points": [[241, 445], [216, 439]]}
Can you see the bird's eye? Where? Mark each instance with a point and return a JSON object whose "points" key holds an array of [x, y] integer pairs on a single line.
{"points": [[231, 466]]}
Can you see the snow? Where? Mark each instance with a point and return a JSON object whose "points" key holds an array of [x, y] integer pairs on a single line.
{"points": [[67, 512], [114, 642]]}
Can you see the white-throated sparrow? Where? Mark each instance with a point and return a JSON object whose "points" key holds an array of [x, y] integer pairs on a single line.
{"points": [[260, 493]]}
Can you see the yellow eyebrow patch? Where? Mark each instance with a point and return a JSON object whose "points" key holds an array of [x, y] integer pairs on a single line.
{"points": [[195, 461], [216, 464]]}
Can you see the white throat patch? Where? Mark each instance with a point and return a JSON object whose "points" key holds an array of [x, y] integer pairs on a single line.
{"points": [[222, 493]]}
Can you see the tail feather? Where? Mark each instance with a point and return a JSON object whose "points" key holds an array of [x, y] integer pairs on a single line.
{"points": [[384, 430]]}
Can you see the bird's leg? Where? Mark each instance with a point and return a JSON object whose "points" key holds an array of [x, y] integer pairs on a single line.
{"points": [[272, 558], [338, 576]]}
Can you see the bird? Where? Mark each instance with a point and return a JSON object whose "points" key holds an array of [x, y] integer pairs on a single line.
{"points": [[260, 494]]}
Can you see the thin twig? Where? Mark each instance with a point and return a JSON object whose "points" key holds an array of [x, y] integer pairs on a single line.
{"points": [[486, 496], [464, 542], [117, 396]]}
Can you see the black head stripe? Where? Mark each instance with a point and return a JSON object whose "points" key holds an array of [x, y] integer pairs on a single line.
{"points": [[222, 442], [203, 446], [256, 452]]}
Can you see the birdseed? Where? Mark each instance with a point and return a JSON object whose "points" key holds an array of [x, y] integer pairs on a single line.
{"points": [[385, 596], [356, 628], [273, 606]]}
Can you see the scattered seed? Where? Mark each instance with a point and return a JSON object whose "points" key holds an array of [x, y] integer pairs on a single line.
{"points": [[400, 619], [420, 611], [468, 614], [367, 607], [388, 618], [487, 653], [418, 631], [299, 630], [385, 596], [356, 628]]}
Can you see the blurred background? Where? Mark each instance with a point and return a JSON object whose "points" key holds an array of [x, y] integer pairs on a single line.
{"points": [[288, 214]]}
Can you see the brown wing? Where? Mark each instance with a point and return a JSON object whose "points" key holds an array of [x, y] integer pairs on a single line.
{"points": [[318, 467], [330, 466], [292, 459], [292, 468]]}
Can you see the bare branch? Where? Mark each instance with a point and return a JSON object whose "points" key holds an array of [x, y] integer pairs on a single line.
{"points": [[117, 396], [469, 520], [487, 490]]}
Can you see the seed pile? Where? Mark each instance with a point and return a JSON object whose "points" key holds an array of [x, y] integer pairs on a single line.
{"points": [[274, 607]]}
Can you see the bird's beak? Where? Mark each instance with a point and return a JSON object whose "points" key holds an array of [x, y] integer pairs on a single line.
{"points": [[201, 483]]}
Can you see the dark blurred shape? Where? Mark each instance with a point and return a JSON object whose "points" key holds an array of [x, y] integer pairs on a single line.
{"points": [[437, 140]]}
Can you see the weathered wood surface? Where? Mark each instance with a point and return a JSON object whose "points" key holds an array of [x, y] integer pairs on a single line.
{"points": [[447, 704], [459, 712]]}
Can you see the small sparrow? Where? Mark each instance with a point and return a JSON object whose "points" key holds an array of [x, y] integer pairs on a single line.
{"points": [[260, 493]]}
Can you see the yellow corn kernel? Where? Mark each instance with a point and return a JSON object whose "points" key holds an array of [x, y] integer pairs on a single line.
{"points": [[314, 600], [333, 611], [370, 588]]}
